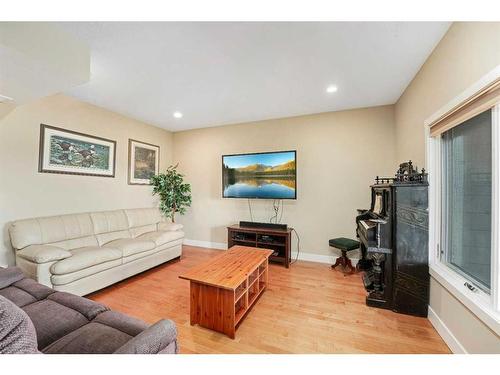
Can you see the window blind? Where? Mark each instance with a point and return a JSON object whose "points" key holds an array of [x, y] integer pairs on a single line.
{"points": [[483, 100]]}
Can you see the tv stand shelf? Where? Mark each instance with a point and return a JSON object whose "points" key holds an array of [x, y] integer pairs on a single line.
{"points": [[277, 240]]}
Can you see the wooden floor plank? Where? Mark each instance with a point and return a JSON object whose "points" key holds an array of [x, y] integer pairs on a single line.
{"points": [[307, 308]]}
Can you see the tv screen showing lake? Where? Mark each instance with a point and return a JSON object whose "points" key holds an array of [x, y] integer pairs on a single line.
{"points": [[266, 175]]}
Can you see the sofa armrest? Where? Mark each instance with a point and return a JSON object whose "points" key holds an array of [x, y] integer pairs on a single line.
{"points": [[9, 276], [171, 227], [43, 253], [17, 333], [155, 339]]}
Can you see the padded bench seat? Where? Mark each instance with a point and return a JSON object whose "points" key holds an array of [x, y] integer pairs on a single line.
{"points": [[343, 243]]}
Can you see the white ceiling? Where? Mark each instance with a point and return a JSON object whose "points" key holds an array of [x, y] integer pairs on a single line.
{"points": [[223, 73], [30, 66]]}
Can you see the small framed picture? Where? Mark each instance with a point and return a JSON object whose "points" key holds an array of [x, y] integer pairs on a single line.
{"points": [[143, 162], [69, 152]]}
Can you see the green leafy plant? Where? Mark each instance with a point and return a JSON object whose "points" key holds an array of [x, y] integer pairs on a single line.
{"points": [[174, 193]]}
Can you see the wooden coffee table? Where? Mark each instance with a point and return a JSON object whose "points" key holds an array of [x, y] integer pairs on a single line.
{"points": [[224, 289]]}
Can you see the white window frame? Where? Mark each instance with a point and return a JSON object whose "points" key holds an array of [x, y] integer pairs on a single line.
{"points": [[485, 306]]}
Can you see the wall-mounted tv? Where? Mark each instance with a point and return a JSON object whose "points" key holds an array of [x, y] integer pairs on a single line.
{"points": [[265, 175]]}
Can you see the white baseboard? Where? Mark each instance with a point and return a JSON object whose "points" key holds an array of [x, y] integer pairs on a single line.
{"points": [[449, 338], [310, 257], [207, 244]]}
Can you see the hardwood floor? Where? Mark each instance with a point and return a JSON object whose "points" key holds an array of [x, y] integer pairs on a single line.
{"points": [[307, 308]]}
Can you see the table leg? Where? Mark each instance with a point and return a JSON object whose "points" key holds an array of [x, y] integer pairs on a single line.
{"points": [[193, 292]]}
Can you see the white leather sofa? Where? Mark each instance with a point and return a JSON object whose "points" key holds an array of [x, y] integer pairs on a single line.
{"points": [[81, 253]]}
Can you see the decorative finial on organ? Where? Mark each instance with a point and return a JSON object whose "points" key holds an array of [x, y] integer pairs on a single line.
{"points": [[406, 173]]}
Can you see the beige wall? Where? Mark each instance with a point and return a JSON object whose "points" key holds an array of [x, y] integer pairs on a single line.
{"points": [[338, 156], [26, 193], [469, 331], [466, 53], [5, 109]]}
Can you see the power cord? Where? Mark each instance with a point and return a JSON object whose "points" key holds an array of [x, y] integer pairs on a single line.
{"points": [[250, 208], [277, 211], [281, 214], [298, 246], [275, 216]]}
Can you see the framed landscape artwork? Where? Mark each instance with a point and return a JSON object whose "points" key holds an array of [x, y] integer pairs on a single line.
{"points": [[70, 152], [143, 162]]}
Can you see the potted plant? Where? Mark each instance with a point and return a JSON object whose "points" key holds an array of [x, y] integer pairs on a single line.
{"points": [[174, 193]]}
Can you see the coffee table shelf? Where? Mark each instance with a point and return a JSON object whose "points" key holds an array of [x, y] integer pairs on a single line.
{"points": [[240, 291]]}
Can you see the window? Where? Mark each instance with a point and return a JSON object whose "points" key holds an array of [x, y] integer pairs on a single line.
{"points": [[466, 199], [463, 161]]}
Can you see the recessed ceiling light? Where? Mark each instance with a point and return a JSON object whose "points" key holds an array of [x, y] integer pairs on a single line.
{"points": [[331, 89], [177, 114]]}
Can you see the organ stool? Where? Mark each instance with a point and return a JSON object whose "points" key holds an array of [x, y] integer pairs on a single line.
{"points": [[344, 245]]}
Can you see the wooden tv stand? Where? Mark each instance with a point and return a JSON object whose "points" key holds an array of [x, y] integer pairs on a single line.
{"points": [[277, 240]]}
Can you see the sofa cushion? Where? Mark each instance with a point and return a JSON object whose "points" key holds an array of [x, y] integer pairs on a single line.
{"points": [[53, 320], [59, 280], [84, 306], [137, 231], [105, 238], [10, 275], [165, 225], [92, 338], [25, 291], [161, 237], [139, 217], [131, 326], [50, 229], [17, 333], [43, 253], [130, 246], [18, 296], [37, 290], [83, 258], [109, 221], [154, 339], [24, 233], [76, 243], [144, 254]]}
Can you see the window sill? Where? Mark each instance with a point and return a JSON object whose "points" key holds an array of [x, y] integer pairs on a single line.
{"points": [[476, 303]]}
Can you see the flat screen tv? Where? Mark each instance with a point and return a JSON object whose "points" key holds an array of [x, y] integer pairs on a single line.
{"points": [[264, 175]]}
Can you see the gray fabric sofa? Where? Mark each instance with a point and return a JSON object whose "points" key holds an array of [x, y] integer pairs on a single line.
{"points": [[35, 318], [81, 253]]}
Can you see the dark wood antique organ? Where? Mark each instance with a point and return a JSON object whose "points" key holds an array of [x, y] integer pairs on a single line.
{"points": [[394, 242]]}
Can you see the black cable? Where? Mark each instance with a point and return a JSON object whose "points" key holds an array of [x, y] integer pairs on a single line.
{"points": [[276, 209], [281, 215], [298, 246]]}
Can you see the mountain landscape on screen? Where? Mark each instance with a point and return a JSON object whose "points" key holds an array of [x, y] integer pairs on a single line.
{"points": [[267, 175], [286, 169]]}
